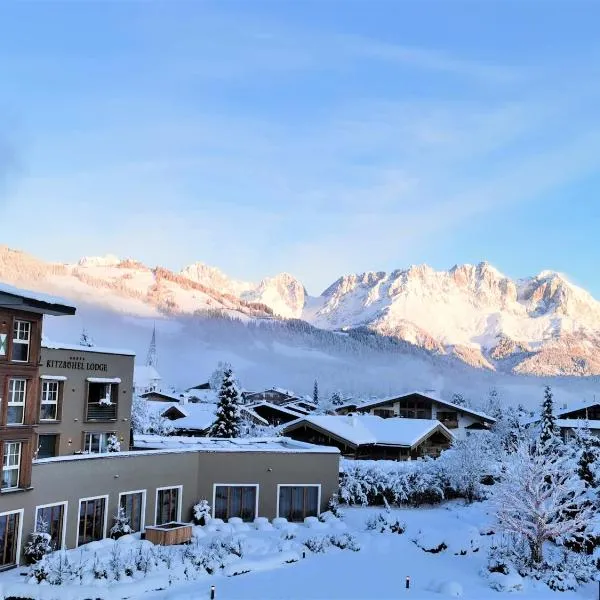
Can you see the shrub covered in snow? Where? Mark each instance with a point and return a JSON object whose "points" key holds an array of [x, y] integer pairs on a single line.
{"points": [[38, 546], [345, 541], [430, 541], [320, 544], [376, 482], [333, 506], [121, 525], [113, 444], [202, 512], [383, 522]]}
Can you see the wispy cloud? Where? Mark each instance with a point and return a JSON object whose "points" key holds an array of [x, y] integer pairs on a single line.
{"points": [[256, 174]]}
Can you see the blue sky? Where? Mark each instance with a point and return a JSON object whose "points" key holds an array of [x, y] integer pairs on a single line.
{"points": [[318, 138]]}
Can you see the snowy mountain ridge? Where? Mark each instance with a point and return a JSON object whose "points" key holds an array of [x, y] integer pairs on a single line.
{"points": [[541, 325]]}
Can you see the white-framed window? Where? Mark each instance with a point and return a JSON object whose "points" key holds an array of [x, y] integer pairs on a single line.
{"points": [[17, 391], [11, 465], [134, 505], [96, 442], [49, 400], [295, 502], [11, 526], [102, 401], [235, 500], [21, 339], [168, 504], [52, 519], [92, 519]]}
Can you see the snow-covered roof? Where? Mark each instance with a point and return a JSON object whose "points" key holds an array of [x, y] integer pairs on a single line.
{"points": [[154, 393], [294, 406], [202, 395], [276, 390], [370, 403], [361, 430], [145, 375], [52, 345], [578, 424], [60, 305], [581, 405], [284, 409], [197, 416], [249, 411], [276, 444]]}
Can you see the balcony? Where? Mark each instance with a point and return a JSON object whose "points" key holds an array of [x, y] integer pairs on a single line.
{"points": [[99, 411]]}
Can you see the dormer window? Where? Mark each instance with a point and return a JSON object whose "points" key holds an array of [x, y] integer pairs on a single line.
{"points": [[21, 340]]}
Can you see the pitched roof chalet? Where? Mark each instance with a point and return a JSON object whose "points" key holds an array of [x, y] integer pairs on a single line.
{"points": [[381, 401], [359, 430]]}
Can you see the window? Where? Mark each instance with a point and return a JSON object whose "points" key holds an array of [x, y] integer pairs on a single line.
{"points": [[167, 505], [51, 520], [296, 502], [47, 445], [133, 503], [9, 539], [11, 465], [448, 417], [92, 516], [384, 413], [102, 401], [235, 501], [49, 402], [17, 389], [21, 337], [96, 443]]}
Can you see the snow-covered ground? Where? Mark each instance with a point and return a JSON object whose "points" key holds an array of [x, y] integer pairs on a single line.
{"points": [[277, 565]]}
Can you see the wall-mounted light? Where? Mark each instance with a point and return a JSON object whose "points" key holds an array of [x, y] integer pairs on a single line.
{"points": [[269, 470], [75, 420], [70, 442], [116, 476]]}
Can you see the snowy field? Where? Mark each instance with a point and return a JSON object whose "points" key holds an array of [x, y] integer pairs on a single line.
{"points": [[277, 564]]}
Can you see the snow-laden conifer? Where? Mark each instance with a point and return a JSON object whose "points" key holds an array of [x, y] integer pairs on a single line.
{"points": [[548, 430], [228, 422]]}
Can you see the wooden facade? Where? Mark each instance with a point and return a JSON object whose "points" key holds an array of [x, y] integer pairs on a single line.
{"points": [[23, 433], [586, 413], [20, 350], [420, 406]]}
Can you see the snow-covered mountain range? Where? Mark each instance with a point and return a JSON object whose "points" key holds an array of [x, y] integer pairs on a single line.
{"points": [[541, 325]]}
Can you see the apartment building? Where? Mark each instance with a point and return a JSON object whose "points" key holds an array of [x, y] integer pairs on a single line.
{"points": [[85, 397], [67, 483]]}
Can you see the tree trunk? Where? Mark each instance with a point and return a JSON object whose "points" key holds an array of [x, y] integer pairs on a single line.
{"points": [[536, 551]]}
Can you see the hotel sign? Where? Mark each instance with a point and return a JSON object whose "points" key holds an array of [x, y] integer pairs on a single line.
{"points": [[77, 363]]}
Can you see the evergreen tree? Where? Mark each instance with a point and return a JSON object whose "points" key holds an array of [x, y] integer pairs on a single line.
{"points": [[589, 458], [228, 423], [336, 399], [316, 392], [493, 404], [548, 427]]}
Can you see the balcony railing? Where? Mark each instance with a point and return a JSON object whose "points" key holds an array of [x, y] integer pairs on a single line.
{"points": [[97, 411]]}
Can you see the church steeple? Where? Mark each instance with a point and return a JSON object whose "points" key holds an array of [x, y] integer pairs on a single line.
{"points": [[151, 357]]}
